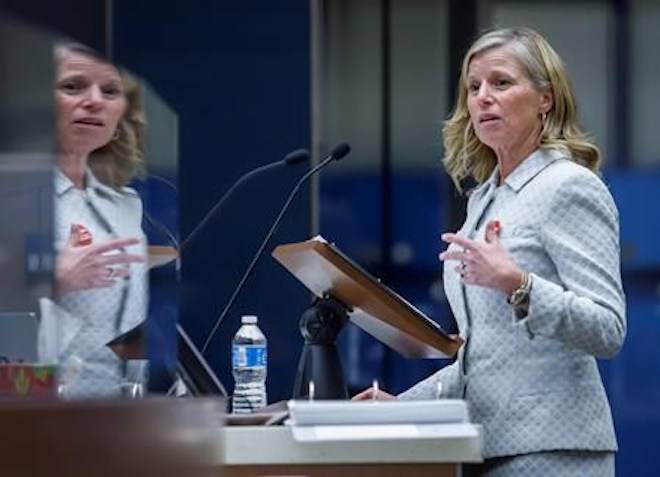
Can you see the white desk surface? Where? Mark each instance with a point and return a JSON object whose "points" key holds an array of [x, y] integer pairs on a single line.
{"points": [[245, 445]]}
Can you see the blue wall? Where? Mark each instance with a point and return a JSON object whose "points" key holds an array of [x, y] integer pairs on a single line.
{"points": [[632, 379], [237, 73]]}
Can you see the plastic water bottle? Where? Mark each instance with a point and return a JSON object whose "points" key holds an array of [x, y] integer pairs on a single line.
{"points": [[249, 358]]}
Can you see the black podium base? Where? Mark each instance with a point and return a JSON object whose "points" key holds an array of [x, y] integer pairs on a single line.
{"points": [[319, 362]]}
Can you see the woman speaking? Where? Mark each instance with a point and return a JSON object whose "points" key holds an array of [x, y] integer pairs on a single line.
{"points": [[533, 275]]}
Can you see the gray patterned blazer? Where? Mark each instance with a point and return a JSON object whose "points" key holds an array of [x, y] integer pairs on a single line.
{"points": [[532, 382]]}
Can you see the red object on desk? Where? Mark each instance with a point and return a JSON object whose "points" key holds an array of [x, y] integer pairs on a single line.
{"points": [[27, 381]]}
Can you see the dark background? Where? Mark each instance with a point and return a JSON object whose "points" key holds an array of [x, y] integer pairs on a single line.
{"points": [[237, 73]]}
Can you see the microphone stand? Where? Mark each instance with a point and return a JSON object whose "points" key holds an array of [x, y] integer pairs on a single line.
{"points": [[292, 158], [191, 365], [337, 153]]}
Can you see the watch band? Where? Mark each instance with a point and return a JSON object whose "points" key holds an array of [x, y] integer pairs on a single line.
{"points": [[521, 293]]}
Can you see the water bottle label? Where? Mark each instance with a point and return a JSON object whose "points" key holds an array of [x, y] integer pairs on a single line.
{"points": [[250, 356]]}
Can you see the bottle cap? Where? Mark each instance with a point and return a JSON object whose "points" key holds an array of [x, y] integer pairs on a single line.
{"points": [[249, 320]]}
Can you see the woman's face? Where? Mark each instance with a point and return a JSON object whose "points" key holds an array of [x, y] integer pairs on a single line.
{"points": [[504, 106], [89, 102]]}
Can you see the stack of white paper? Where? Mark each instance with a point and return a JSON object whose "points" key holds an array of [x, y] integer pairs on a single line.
{"points": [[377, 420]]}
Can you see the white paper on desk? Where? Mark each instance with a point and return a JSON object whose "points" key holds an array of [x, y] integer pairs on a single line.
{"points": [[334, 412], [382, 432], [354, 433]]}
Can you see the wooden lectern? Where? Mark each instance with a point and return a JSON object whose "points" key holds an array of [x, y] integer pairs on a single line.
{"points": [[337, 281]]}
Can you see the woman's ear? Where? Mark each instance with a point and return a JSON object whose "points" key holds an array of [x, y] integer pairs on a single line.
{"points": [[547, 100]]}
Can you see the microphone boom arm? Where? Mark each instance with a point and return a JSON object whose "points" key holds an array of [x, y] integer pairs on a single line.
{"points": [[209, 215], [263, 245]]}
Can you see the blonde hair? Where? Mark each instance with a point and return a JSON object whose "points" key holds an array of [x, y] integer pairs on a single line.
{"points": [[119, 161], [466, 155]]}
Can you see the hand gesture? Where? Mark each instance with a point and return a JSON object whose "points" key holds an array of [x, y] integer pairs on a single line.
{"points": [[371, 393], [487, 264], [91, 266]]}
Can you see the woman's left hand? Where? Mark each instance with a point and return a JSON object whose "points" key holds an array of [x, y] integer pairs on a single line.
{"points": [[373, 394], [487, 264]]}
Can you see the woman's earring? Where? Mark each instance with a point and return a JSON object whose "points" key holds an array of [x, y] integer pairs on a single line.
{"points": [[115, 136], [544, 116]]}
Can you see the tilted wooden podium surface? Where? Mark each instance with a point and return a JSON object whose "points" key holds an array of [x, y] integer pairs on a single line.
{"points": [[379, 311]]}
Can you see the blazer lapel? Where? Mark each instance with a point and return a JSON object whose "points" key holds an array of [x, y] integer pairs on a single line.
{"points": [[479, 209]]}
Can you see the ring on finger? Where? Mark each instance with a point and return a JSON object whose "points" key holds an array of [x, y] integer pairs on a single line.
{"points": [[461, 269]]}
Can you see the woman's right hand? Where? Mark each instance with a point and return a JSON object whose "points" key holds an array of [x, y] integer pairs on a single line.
{"points": [[91, 266], [369, 394]]}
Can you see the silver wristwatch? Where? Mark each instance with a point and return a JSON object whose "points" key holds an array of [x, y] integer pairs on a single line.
{"points": [[521, 294]]}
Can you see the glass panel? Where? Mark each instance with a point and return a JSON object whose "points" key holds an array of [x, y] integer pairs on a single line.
{"points": [[353, 195], [419, 87], [419, 82], [565, 25], [26, 258], [645, 69], [89, 208], [101, 273], [352, 88], [350, 209], [158, 190], [419, 187]]}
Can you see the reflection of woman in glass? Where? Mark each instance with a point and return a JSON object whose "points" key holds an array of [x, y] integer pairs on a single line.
{"points": [[100, 273]]}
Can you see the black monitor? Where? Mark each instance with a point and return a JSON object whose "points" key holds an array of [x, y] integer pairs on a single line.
{"points": [[193, 369]]}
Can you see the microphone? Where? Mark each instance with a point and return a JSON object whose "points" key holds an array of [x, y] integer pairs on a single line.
{"points": [[293, 158], [339, 152]]}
